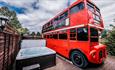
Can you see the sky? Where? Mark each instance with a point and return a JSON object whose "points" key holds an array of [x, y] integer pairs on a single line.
{"points": [[32, 14]]}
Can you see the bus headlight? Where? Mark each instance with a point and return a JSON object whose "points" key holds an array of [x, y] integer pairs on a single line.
{"points": [[93, 53]]}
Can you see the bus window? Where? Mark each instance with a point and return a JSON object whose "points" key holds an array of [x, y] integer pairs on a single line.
{"points": [[63, 36], [61, 24], [96, 18], [47, 36], [64, 15], [90, 7], [97, 12], [51, 36], [94, 35], [73, 34], [62, 20], [55, 36], [82, 34], [55, 20], [77, 8]]}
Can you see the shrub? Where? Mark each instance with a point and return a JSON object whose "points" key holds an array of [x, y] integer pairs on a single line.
{"points": [[109, 41]]}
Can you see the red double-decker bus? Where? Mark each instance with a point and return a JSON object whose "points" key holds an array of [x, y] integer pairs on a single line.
{"points": [[74, 33]]}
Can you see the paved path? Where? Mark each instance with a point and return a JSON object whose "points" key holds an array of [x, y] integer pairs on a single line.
{"points": [[62, 64]]}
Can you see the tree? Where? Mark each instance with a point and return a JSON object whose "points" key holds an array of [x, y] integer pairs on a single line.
{"points": [[38, 34], [12, 16], [33, 33], [109, 41], [112, 25], [104, 34], [23, 30], [14, 22], [26, 31]]}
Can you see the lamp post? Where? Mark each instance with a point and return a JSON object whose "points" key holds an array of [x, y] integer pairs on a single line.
{"points": [[3, 21]]}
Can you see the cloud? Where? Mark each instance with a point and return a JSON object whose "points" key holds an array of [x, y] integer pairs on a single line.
{"points": [[19, 10], [44, 10], [34, 13]]}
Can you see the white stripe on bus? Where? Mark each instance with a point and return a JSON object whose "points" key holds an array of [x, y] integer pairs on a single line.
{"points": [[95, 26], [73, 27], [65, 28]]}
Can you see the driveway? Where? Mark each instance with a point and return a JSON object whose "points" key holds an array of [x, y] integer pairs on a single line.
{"points": [[63, 64]]}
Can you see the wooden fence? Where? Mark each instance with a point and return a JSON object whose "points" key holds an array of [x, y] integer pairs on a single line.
{"points": [[9, 47]]}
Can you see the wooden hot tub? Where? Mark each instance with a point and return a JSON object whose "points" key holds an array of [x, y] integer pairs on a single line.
{"points": [[35, 58]]}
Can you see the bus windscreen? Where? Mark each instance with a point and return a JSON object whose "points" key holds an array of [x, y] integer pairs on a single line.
{"points": [[93, 35]]}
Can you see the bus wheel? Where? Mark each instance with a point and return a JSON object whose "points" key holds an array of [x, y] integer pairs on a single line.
{"points": [[78, 59]]}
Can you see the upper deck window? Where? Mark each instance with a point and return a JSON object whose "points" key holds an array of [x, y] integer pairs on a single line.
{"points": [[77, 8], [60, 21], [93, 8], [90, 7], [97, 18], [64, 15], [97, 11], [56, 20]]}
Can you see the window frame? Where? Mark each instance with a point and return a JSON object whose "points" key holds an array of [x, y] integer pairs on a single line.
{"points": [[61, 21], [79, 9], [63, 32], [73, 33], [94, 37], [91, 6], [63, 16], [83, 34], [96, 10], [55, 34]]}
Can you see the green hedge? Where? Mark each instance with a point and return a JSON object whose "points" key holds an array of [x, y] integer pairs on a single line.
{"points": [[109, 41]]}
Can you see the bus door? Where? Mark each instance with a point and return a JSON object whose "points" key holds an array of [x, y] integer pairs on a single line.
{"points": [[62, 43], [79, 38]]}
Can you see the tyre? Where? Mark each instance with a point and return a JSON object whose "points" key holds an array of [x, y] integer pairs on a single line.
{"points": [[78, 59]]}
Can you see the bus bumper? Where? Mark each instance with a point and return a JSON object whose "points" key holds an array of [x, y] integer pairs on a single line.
{"points": [[98, 54]]}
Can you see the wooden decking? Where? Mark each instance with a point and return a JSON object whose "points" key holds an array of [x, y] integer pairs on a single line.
{"points": [[63, 64]]}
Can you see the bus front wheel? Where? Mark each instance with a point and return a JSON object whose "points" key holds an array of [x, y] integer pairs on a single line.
{"points": [[78, 59]]}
